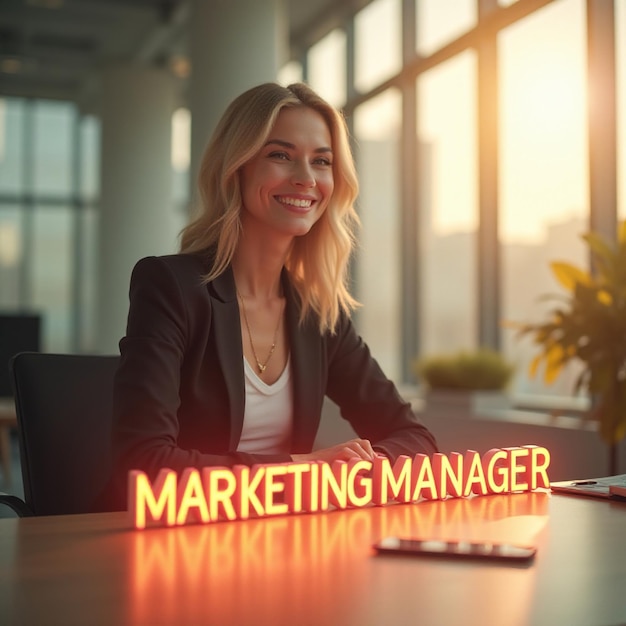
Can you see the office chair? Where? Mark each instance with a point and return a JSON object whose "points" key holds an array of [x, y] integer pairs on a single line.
{"points": [[63, 404]]}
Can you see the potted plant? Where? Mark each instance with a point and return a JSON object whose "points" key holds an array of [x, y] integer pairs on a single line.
{"points": [[465, 381], [588, 324]]}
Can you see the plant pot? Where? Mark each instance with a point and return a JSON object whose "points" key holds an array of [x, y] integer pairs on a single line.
{"points": [[458, 402]]}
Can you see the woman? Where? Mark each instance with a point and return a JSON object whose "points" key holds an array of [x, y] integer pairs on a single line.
{"points": [[232, 344]]}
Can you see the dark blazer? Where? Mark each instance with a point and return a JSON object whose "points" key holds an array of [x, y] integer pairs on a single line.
{"points": [[179, 391]]}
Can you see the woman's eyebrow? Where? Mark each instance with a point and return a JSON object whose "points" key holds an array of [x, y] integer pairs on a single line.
{"points": [[291, 146]]}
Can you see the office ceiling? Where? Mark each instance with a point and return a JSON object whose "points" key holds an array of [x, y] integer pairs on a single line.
{"points": [[54, 48]]}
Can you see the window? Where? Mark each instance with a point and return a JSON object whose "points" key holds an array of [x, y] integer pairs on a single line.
{"points": [[49, 182], [53, 147], [12, 141], [327, 67], [543, 168], [11, 254], [447, 182], [379, 22], [377, 130], [441, 21]]}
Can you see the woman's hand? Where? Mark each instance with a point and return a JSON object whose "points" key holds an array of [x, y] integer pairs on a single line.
{"points": [[360, 449]]}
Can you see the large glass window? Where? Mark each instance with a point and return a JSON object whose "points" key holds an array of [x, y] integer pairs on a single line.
{"points": [[380, 21], [11, 145], [290, 73], [49, 180], [181, 151], [449, 205], [441, 21], [543, 167], [11, 254], [90, 158], [326, 67], [377, 129], [53, 153], [51, 265]]}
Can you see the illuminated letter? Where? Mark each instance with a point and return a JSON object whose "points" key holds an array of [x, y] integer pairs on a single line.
{"points": [[490, 460], [446, 474], [359, 487], [514, 468], [311, 488], [142, 498], [246, 490], [423, 479], [539, 461], [398, 480], [216, 495], [333, 480], [473, 475], [293, 485], [273, 486], [191, 495]]}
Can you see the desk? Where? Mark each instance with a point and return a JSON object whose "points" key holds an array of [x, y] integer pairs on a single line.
{"points": [[319, 569]]}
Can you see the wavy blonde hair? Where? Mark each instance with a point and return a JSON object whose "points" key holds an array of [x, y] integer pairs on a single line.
{"points": [[318, 261]]}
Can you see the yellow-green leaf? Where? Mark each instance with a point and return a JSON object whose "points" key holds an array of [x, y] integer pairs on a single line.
{"points": [[534, 365], [621, 233], [598, 246], [554, 363], [605, 297], [569, 275]]}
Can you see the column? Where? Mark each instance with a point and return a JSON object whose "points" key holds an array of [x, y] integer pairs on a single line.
{"points": [[602, 117], [234, 45], [136, 213]]}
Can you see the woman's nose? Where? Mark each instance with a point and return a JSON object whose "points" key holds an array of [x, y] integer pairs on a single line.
{"points": [[303, 176]]}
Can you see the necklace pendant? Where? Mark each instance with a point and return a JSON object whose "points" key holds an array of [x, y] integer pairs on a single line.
{"points": [[261, 367]]}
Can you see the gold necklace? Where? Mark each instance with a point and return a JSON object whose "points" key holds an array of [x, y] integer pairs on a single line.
{"points": [[261, 366]]}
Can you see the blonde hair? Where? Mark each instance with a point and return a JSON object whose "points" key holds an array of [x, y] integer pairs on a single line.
{"points": [[318, 261]]}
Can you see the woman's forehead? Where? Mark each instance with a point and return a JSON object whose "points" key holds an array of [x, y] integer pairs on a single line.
{"points": [[303, 123]]}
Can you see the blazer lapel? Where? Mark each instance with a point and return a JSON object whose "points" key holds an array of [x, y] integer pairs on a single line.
{"points": [[227, 333], [307, 373]]}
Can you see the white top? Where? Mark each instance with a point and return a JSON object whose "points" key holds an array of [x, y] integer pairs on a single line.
{"points": [[267, 418]]}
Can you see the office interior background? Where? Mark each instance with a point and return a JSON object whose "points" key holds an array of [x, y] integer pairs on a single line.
{"points": [[489, 135]]}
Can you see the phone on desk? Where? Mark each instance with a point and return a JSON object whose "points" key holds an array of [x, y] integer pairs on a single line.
{"points": [[455, 549]]}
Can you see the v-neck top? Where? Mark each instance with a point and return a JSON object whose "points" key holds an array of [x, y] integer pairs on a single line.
{"points": [[268, 413]]}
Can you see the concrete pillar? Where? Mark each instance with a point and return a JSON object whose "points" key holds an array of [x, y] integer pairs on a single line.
{"points": [[136, 213], [234, 45]]}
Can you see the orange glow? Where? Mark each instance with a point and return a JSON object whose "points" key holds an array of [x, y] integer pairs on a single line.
{"points": [[221, 493]]}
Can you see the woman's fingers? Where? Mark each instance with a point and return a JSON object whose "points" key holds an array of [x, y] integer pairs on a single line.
{"points": [[360, 449], [353, 449]]}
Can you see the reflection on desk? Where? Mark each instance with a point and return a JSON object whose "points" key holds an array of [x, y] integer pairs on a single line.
{"points": [[320, 569]]}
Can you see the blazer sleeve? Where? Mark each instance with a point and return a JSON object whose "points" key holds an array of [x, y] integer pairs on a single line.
{"points": [[146, 396], [369, 400]]}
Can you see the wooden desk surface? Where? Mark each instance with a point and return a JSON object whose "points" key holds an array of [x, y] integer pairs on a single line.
{"points": [[320, 569]]}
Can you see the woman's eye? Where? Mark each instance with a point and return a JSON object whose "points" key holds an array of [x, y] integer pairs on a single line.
{"points": [[322, 161], [279, 155]]}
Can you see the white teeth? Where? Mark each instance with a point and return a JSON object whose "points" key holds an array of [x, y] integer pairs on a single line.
{"points": [[304, 204]]}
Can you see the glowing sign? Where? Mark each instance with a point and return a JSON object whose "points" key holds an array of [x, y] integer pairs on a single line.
{"points": [[220, 493]]}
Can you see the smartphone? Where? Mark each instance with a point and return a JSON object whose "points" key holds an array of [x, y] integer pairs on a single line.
{"points": [[455, 549]]}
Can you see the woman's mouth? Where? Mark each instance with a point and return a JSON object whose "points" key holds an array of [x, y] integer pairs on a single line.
{"points": [[299, 203]]}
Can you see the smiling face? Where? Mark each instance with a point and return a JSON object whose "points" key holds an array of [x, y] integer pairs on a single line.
{"points": [[286, 187]]}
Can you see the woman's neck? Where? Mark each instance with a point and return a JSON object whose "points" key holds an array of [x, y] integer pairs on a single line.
{"points": [[257, 271]]}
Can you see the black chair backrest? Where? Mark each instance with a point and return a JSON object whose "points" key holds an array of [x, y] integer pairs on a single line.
{"points": [[19, 332], [63, 404]]}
